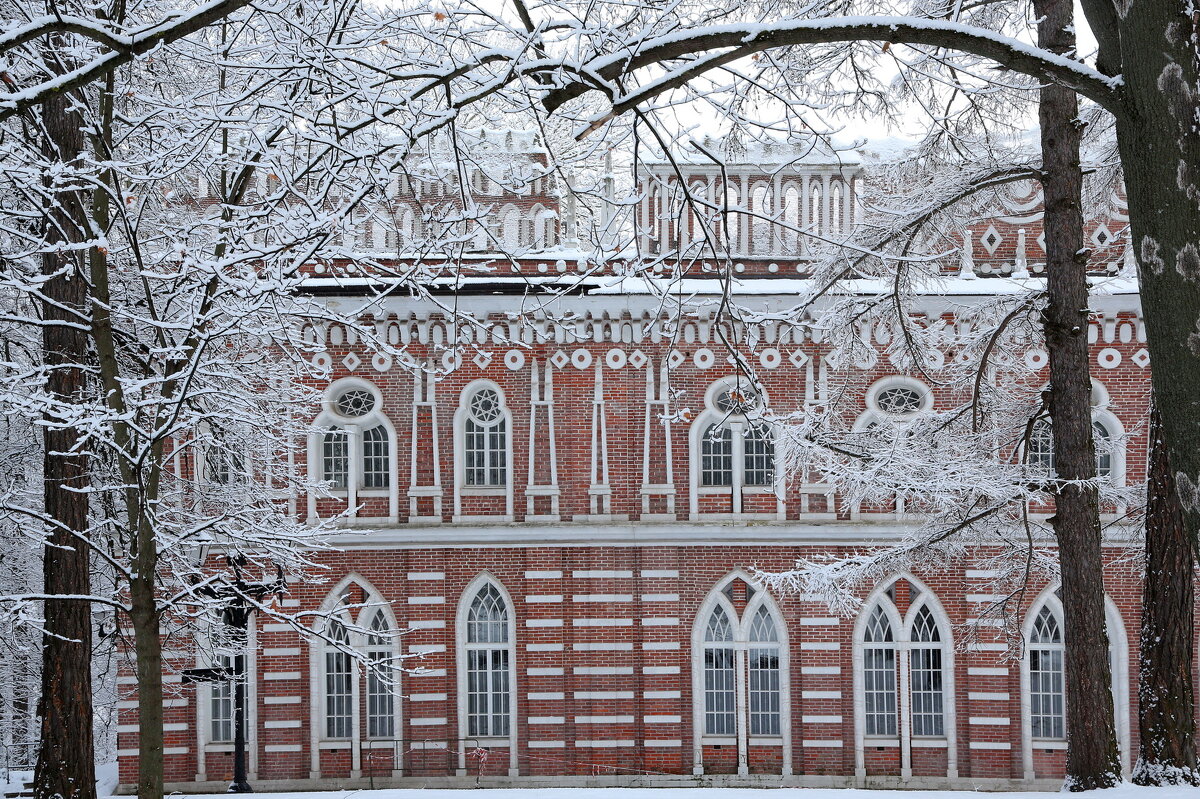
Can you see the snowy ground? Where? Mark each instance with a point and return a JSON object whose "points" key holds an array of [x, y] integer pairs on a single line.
{"points": [[1122, 792]]}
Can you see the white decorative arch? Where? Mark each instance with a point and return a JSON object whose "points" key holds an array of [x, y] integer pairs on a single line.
{"points": [[902, 644], [739, 425], [510, 229], [355, 616], [741, 624], [460, 640], [329, 418], [1118, 642], [461, 489]]}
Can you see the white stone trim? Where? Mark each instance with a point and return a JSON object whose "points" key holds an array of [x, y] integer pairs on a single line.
{"points": [[460, 461], [741, 629], [902, 644], [460, 628]]}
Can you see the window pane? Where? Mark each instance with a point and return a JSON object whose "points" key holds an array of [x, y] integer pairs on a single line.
{"points": [[879, 689], [716, 457], [719, 691], [221, 704], [764, 691], [487, 692], [1046, 698], [381, 703], [377, 467], [485, 448], [339, 707], [927, 715], [759, 455], [335, 458]]}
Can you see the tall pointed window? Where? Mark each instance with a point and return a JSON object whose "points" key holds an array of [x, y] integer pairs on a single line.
{"points": [[719, 672], [485, 441], [925, 675], [355, 663], [1047, 696], [879, 676], [381, 696], [763, 674], [488, 665], [339, 683]]}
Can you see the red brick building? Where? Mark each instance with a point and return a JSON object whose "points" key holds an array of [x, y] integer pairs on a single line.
{"points": [[564, 513]]}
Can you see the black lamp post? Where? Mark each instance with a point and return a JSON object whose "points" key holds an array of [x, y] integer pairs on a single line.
{"points": [[236, 616]]}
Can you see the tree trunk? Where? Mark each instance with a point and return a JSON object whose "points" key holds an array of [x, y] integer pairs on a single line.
{"points": [[65, 766], [1160, 153], [1092, 756], [1165, 698], [148, 652]]}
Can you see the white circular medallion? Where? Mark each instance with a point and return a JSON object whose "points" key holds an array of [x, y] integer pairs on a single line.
{"points": [[1109, 358], [514, 360], [704, 358], [1036, 360], [615, 358], [770, 358], [581, 358]]}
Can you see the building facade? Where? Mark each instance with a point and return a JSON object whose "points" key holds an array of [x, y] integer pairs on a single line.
{"points": [[564, 515]]}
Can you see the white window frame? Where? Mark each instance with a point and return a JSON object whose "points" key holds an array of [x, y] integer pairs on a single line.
{"points": [[738, 424], [461, 489], [874, 414], [741, 646], [902, 645], [355, 618], [354, 427], [1118, 643], [461, 646]]}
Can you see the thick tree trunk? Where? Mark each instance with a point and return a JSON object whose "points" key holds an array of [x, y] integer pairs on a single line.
{"points": [[1092, 757], [65, 766], [1159, 140], [1165, 697]]}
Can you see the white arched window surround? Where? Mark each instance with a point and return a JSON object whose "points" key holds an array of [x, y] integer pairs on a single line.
{"points": [[371, 468], [902, 629], [1118, 643], [1110, 452], [461, 488], [347, 616], [733, 452], [885, 397], [741, 644], [469, 595]]}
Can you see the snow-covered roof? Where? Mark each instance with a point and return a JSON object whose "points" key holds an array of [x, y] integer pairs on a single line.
{"points": [[808, 151]]}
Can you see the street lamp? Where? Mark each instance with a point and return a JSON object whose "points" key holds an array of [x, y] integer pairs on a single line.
{"points": [[236, 616]]}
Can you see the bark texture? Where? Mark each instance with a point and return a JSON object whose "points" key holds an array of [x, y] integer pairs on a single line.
{"points": [[1092, 755], [1166, 722], [65, 766]]}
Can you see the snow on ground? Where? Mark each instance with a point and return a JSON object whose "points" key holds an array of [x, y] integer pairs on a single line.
{"points": [[1121, 792]]}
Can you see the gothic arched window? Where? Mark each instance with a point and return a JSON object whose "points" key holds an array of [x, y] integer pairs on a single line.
{"points": [[488, 665], [1047, 693]]}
